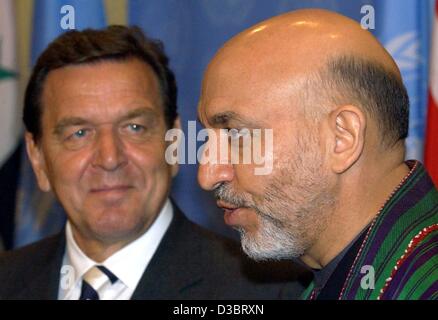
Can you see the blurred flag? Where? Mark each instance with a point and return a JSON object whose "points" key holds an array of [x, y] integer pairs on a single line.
{"points": [[38, 214], [431, 153], [50, 16], [404, 29], [9, 108]]}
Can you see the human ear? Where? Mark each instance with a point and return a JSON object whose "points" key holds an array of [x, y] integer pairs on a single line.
{"points": [[37, 161], [348, 126]]}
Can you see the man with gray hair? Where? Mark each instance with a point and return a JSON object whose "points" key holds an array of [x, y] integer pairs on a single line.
{"points": [[340, 197]]}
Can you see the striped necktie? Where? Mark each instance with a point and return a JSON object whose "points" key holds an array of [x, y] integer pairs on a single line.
{"points": [[95, 281]]}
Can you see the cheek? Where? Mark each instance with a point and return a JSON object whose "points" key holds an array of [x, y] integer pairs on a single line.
{"points": [[245, 180], [67, 168], [148, 159], [244, 173], [256, 185]]}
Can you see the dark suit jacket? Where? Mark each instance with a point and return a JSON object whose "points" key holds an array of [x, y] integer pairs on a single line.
{"points": [[190, 263], [9, 175]]}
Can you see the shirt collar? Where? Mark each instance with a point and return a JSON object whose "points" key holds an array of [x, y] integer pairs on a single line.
{"points": [[129, 263]]}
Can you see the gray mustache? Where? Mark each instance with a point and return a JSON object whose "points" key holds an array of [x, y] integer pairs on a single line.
{"points": [[224, 193]]}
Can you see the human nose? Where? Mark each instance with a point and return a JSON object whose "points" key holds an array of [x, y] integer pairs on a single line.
{"points": [[213, 172], [110, 153]]}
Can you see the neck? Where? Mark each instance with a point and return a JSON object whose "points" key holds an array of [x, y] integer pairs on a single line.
{"points": [[361, 196], [97, 251], [100, 250]]}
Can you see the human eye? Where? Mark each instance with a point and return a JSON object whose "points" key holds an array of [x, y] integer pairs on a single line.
{"points": [[81, 133], [78, 134], [133, 129], [136, 128], [77, 138]]}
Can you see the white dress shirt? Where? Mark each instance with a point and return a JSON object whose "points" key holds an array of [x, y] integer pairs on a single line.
{"points": [[128, 264]]}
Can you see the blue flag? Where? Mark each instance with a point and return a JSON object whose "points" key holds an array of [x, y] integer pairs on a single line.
{"points": [[38, 214], [53, 17]]}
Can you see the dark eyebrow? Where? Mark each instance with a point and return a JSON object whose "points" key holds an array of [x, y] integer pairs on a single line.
{"points": [[67, 122], [137, 113], [224, 119]]}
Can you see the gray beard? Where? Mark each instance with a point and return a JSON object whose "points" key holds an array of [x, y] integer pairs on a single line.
{"points": [[294, 209], [288, 226], [272, 244]]}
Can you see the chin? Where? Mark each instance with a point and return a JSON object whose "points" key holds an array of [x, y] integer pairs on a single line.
{"points": [[270, 244], [117, 227]]}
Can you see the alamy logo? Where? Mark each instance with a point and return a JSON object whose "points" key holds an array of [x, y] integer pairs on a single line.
{"points": [[68, 277], [68, 19], [367, 282], [222, 146], [368, 21]]}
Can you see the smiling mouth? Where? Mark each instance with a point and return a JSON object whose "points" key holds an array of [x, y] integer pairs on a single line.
{"points": [[109, 189]]}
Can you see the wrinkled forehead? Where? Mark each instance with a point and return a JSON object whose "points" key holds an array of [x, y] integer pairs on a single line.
{"points": [[253, 87], [105, 92]]}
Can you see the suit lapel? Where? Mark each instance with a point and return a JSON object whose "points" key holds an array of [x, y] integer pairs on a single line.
{"points": [[43, 279], [169, 275], [9, 175]]}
